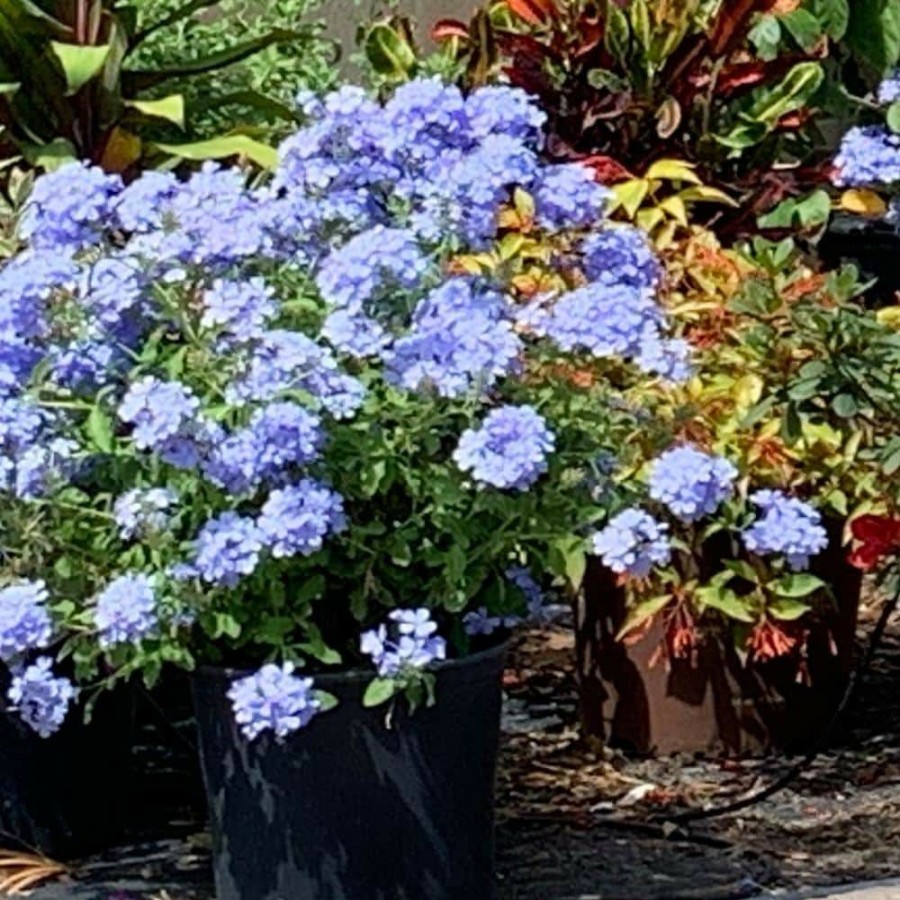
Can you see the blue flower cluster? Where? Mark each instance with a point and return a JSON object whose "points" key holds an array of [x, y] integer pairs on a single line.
{"points": [[408, 643], [41, 698], [126, 611], [632, 543], [869, 155], [508, 450], [621, 254], [692, 484], [787, 527], [25, 622], [141, 512], [273, 699], [297, 519], [889, 89]]}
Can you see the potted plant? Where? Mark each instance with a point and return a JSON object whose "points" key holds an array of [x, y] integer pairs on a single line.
{"points": [[317, 439], [728, 644]]}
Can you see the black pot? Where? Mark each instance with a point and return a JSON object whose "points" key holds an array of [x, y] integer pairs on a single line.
{"points": [[65, 795], [349, 809], [873, 246]]}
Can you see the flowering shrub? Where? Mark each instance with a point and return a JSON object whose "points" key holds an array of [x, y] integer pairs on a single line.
{"points": [[247, 425]]}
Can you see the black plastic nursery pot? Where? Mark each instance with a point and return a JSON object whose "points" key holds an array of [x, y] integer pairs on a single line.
{"points": [[350, 808], [873, 246], [65, 795]]}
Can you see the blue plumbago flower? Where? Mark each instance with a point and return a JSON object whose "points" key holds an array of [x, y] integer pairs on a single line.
{"points": [[355, 334], [226, 550], [17, 361], [460, 196], [457, 341], [621, 254], [140, 207], [143, 511], [41, 699], [273, 699], [889, 89], [42, 467], [425, 117], [481, 622], [788, 527], [868, 155], [279, 436], [632, 543], [508, 450], [22, 427], [239, 309], [289, 361], [604, 320], [692, 484], [296, 519], [158, 410], [25, 623], [370, 267], [567, 196], [112, 291], [27, 282], [669, 358], [499, 109], [409, 643], [69, 207], [86, 365], [535, 600], [126, 611]]}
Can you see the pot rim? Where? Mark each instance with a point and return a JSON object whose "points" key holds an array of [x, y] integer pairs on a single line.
{"points": [[352, 676]]}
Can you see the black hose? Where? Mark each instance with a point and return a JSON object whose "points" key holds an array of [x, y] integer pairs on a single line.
{"points": [[856, 678]]}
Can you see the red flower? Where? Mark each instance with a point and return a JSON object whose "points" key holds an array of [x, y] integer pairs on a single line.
{"points": [[878, 536], [769, 641]]}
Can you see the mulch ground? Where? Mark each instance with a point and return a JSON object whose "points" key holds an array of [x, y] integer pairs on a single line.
{"points": [[577, 820]]}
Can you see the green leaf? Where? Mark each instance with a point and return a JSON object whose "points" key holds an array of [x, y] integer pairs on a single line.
{"points": [[893, 117], [798, 584], [49, 156], [766, 36], [325, 700], [134, 82], [641, 612], [790, 94], [725, 601], [225, 624], [845, 406], [791, 425], [99, 429], [263, 155], [743, 569], [804, 27], [788, 609], [389, 51], [834, 16], [80, 63], [379, 691], [174, 17], [874, 33], [568, 559], [170, 108]]}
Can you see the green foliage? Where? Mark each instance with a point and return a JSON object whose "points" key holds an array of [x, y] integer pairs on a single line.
{"points": [[259, 90], [75, 83]]}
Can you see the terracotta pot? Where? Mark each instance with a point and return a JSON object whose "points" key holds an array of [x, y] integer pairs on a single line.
{"points": [[715, 703]]}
